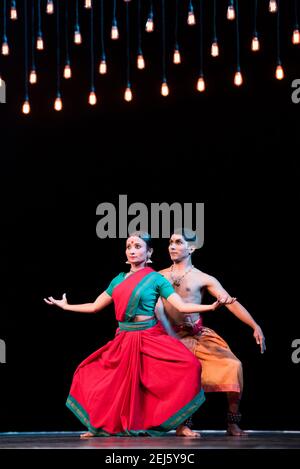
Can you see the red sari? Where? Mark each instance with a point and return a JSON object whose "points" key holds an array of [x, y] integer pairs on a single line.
{"points": [[143, 381]]}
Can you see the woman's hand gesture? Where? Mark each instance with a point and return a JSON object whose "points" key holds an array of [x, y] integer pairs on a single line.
{"points": [[60, 303], [222, 300], [226, 299]]}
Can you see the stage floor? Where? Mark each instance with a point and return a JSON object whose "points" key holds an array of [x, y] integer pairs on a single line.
{"points": [[210, 440]]}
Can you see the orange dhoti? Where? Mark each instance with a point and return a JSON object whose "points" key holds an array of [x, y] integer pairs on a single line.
{"points": [[221, 370]]}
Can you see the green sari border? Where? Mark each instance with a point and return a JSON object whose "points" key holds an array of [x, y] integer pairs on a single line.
{"points": [[161, 430], [137, 326], [135, 296]]}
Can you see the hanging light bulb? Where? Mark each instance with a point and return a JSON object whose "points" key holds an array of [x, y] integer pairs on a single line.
{"points": [[114, 33], [201, 84], [214, 49], [58, 103], [255, 45], [176, 56], [88, 4], [238, 78], [103, 67], [33, 77], [164, 89], [140, 61], [191, 20], [92, 98], [279, 74], [77, 36], [128, 94], [26, 107], [150, 24], [230, 13], [272, 6], [67, 71], [40, 43], [13, 11], [50, 7], [5, 47], [296, 36]]}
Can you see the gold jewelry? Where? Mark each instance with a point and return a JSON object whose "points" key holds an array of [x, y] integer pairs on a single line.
{"points": [[134, 271], [177, 281]]}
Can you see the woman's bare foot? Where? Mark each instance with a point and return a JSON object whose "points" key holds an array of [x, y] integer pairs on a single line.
{"points": [[86, 435], [234, 430], [182, 430]]}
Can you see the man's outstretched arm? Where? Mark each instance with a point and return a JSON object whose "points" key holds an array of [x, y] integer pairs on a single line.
{"points": [[215, 289]]}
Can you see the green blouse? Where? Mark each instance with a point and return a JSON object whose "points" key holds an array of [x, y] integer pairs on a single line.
{"points": [[160, 286]]}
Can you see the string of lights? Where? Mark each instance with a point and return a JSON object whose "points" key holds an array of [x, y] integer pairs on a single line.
{"points": [[121, 20]]}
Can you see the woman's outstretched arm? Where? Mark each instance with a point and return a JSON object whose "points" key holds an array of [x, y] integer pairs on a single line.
{"points": [[175, 300], [101, 302]]}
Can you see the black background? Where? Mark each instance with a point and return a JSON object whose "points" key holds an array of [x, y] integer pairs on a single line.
{"points": [[236, 150]]}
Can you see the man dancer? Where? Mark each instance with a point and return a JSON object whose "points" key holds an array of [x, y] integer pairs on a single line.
{"points": [[221, 369]]}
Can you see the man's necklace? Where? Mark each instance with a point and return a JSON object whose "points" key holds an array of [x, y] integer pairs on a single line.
{"points": [[176, 281]]}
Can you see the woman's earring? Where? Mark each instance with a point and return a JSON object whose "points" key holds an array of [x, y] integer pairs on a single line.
{"points": [[149, 261], [127, 262]]}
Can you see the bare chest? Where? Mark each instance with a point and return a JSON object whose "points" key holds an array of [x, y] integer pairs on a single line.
{"points": [[187, 287]]}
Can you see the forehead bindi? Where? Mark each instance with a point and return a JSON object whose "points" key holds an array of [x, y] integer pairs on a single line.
{"points": [[132, 241]]}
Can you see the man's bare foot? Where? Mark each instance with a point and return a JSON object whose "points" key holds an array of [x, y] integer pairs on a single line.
{"points": [[182, 430], [86, 435], [234, 430]]}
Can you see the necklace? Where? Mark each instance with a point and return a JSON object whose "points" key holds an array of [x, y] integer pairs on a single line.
{"points": [[177, 281], [131, 272], [134, 271]]}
